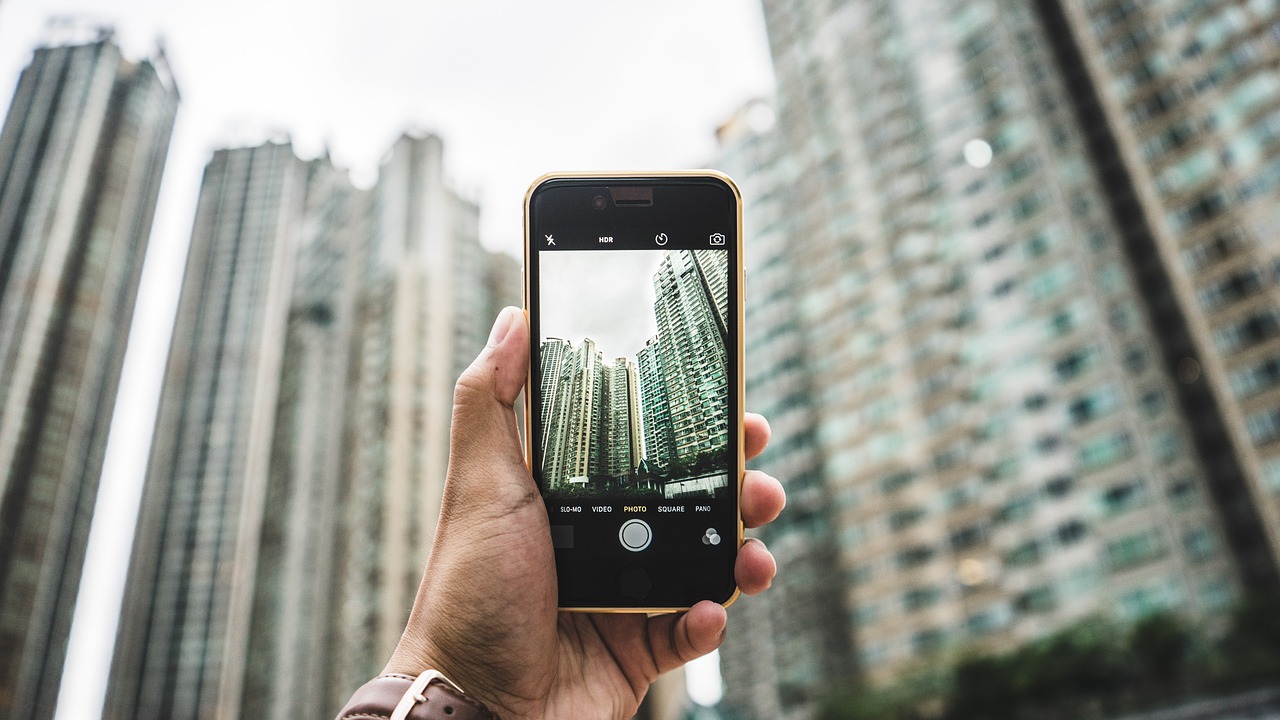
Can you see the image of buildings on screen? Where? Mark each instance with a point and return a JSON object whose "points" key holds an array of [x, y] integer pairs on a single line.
{"points": [[654, 425]]}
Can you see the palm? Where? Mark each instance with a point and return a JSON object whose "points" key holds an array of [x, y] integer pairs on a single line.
{"points": [[485, 614]]}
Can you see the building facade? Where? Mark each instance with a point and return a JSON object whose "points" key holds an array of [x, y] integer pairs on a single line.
{"points": [[301, 446], [184, 625], [292, 666], [81, 156], [998, 364], [691, 306]]}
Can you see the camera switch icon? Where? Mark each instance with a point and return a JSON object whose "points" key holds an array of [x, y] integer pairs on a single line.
{"points": [[717, 238]]}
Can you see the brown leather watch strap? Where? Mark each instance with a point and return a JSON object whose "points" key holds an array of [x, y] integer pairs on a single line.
{"points": [[441, 700]]}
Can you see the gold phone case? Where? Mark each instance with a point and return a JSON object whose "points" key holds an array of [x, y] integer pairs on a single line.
{"points": [[738, 312]]}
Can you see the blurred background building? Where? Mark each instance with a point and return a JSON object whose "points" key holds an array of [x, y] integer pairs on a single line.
{"points": [[310, 386], [184, 626], [81, 156], [1010, 316]]}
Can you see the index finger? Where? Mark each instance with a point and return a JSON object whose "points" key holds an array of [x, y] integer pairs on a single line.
{"points": [[756, 429]]}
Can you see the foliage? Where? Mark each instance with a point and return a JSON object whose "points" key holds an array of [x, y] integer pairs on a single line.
{"points": [[1094, 668]]}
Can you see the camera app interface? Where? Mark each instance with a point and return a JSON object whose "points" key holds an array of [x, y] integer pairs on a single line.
{"points": [[634, 378]]}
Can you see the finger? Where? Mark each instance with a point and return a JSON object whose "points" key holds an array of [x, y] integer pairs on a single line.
{"points": [[755, 568], [677, 639], [756, 429], [483, 439], [762, 498]]}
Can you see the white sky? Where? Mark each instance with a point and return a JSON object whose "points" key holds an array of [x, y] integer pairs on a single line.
{"points": [[606, 295], [515, 88]]}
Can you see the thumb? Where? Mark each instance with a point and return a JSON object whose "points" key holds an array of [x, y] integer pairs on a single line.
{"points": [[484, 443]]}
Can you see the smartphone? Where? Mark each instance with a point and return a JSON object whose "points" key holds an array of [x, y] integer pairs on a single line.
{"points": [[633, 286]]}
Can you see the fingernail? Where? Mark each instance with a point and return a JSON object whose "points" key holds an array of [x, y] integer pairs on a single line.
{"points": [[501, 326]]}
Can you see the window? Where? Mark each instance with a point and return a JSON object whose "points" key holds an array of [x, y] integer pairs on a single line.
{"points": [[920, 597], [1027, 205], [1105, 450], [1060, 486], [1256, 378], [896, 482], [905, 518], [1199, 544], [865, 614], [1135, 360], [1071, 531], [1153, 401], [928, 641], [1224, 244], [1028, 553], [1016, 509], [1123, 497], [1183, 493], [1233, 288], [1264, 426], [1093, 405], [1075, 363], [968, 536], [914, 557], [1167, 445], [1200, 210], [1133, 550], [1254, 329], [1146, 600], [1036, 600]]}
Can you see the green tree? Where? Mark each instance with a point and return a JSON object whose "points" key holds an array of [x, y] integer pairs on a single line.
{"points": [[1161, 648], [1251, 647]]}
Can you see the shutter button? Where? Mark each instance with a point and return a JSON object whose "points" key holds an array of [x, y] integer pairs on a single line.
{"points": [[635, 535]]}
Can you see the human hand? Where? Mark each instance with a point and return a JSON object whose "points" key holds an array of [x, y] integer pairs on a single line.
{"points": [[485, 614]]}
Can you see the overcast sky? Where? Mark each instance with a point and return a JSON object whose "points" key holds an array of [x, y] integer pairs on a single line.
{"points": [[603, 295], [515, 88]]}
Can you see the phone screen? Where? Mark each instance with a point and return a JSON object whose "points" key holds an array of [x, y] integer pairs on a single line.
{"points": [[634, 418]]}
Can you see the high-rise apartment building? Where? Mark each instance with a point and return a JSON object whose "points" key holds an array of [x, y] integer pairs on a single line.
{"points": [[425, 296], [659, 442], [785, 646], [81, 156], [422, 319], [995, 379], [1186, 105], [303, 434], [625, 448], [185, 621], [580, 408], [690, 306], [293, 664]]}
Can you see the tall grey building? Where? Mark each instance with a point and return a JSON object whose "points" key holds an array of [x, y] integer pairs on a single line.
{"points": [[425, 298], [81, 156], [690, 306], [578, 418], [787, 646], [994, 368], [185, 621], [300, 450], [659, 443], [625, 448], [293, 664]]}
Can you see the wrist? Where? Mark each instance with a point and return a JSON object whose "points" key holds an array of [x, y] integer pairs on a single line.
{"points": [[413, 657], [426, 696]]}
